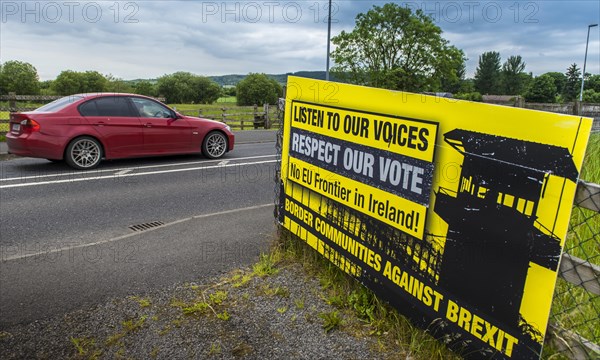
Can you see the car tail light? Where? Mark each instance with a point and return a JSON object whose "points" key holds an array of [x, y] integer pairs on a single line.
{"points": [[27, 124], [30, 125]]}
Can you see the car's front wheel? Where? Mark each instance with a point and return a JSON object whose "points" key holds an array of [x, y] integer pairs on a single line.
{"points": [[83, 153], [214, 145]]}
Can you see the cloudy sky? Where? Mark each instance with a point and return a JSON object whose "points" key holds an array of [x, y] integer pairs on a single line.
{"points": [[147, 39]]}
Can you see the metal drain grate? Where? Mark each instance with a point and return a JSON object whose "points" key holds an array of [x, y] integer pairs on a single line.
{"points": [[146, 226]]}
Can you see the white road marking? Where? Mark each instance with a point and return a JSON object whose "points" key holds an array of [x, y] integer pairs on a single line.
{"points": [[122, 237], [112, 176], [224, 162], [75, 173], [122, 172]]}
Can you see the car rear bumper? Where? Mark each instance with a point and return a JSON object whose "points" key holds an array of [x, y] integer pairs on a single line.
{"points": [[35, 145]]}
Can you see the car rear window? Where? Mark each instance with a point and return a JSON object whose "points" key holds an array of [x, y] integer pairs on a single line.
{"points": [[59, 104], [107, 106]]}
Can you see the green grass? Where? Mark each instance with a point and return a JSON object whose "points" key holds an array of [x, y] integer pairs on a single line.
{"points": [[591, 164], [143, 302], [4, 116], [224, 315], [227, 100], [86, 348], [331, 320], [23, 104], [357, 309], [266, 266]]}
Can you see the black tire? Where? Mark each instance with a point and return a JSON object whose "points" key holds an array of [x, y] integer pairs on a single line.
{"points": [[214, 145], [83, 153]]}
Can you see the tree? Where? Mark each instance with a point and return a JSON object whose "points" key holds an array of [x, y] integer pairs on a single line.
{"points": [[46, 87], [526, 80], [454, 82], [184, 87], [19, 77], [560, 80], [487, 74], [70, 82], [392, 47], [92, 81], [471, 96], [573, 83], [512, 79], [207, 90], [467, 86], [258, 89], [542, 90], [144, 87], [592, 83], [591, 96], [116, 85], [229, 90]]}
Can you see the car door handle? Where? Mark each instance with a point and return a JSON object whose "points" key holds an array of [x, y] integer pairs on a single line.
{"points": [[148, 125], [99, 123]]}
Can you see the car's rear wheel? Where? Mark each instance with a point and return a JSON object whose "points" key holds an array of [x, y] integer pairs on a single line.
{"points": [[214, 145], [84, 153]]}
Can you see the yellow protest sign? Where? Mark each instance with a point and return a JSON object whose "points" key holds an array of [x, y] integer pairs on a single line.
{"points": [[455, 212]]}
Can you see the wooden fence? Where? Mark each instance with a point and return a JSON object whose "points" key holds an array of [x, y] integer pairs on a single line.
{"points": [[240, 117]]}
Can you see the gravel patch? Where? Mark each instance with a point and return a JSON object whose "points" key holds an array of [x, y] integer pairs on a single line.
{"points": [[236, 316]]}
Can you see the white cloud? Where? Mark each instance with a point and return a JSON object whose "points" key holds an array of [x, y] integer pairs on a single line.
{"points": [[146, 39]]}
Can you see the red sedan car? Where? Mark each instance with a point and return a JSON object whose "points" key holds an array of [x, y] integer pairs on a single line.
{"points": [[83, 129]]}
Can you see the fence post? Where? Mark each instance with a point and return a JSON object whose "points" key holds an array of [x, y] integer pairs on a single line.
{"points": [[519, 101], [12, 101], [266, 109], [199, 112], [576, 107], [223, 115]]}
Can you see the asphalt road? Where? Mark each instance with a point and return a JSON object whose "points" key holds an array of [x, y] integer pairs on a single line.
{"points": [[66, 237]]}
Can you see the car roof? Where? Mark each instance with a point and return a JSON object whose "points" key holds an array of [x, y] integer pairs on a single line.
{"points": [[100, 94]]}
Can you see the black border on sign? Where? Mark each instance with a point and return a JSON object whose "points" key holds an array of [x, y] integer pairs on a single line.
{"points": [[431, 122]]}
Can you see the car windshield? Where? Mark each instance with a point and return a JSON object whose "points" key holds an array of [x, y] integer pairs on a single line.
{"points": [[59, 104]]}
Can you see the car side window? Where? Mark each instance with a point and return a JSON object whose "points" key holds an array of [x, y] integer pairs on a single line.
{"points": [[150, 109], [107, 106], [88, 108]]}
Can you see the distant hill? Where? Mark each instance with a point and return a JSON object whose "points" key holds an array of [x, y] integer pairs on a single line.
{"points": [[233, 79]]}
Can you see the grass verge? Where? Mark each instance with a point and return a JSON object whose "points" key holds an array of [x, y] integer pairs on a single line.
{"points": [[372, 317]]}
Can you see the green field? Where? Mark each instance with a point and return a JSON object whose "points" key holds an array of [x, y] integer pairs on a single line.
{"points": [[227, 100], [4, 116]]}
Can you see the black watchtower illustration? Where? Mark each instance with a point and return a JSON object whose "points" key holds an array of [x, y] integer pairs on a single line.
{"points": [[494, 232]]}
